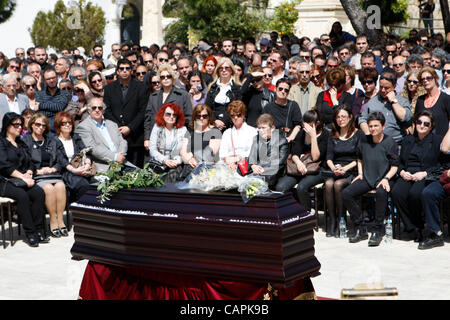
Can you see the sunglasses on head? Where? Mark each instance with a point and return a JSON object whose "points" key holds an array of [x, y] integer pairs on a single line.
{"points": [[424, 123], [202, 116]]}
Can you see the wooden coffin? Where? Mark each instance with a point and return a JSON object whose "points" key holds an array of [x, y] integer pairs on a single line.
{"points": [[269, 239]]}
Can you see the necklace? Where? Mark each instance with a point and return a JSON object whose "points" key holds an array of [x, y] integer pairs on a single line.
{"points": [[430, 100], [39, 144]]}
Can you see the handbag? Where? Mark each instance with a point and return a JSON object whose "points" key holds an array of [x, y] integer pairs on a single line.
{"points": [[79, 160], [312, 167], [157, 166], [47, 176], [242, 165], [18, 182]]}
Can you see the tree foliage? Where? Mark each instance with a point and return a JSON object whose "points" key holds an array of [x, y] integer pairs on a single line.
{"points": [[82, 25], [284, 17], [6, 9], [212, 19]]}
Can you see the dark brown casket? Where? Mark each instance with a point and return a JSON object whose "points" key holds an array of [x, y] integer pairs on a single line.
{"points": [[269, 239]]}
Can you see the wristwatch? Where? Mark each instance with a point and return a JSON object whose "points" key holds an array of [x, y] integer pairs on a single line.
{"points": [[394, 101]]}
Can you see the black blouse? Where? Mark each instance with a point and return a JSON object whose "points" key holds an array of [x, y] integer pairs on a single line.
{"points": [[344, 152], [14, 158], [285, 116]]}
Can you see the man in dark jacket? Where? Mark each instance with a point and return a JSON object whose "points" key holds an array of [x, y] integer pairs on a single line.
{"points": [[125, 100]]}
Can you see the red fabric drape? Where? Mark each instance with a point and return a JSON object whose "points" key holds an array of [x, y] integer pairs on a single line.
{"points": [[105, 282]]}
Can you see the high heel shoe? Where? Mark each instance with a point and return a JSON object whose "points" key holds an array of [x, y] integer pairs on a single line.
{"points": [[64, 232], [56, 233]]}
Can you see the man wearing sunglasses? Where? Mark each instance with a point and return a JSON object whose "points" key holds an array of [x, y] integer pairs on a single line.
{"points": [[395, 108], [10, 101], [103, 136], [126, 100], [161, 57]]}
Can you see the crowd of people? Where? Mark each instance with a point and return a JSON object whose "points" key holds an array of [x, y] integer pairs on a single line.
{"points": [[298, 111]]}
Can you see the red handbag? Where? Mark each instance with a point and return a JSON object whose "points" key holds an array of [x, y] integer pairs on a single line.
{"points": [[242, 165]]}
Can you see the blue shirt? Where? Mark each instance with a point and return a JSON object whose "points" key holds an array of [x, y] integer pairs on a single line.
{"points": [[105, 134]]}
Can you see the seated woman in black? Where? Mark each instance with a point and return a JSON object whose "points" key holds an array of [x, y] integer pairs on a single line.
{"points": [[269, 151], [377, 165], [330, 99], [15, 162], [286, 113], [419, 158], [68, 145], [341, 163], [201, 142], [44, 157], [312, 140]]}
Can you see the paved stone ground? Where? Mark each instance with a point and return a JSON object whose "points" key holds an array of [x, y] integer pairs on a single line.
{"points": [[49, 273]]}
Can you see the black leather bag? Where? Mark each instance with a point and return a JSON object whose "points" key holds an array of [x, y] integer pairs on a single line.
{"points": [[18, 182], [157, 166], [47, 176]]}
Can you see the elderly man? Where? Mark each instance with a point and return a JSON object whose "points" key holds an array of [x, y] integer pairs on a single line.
{"points": [[103, 136], [52, 100], [10, 101], [115, 55], [62, 68], [399, 65], [305, 92], [20, 54], [34, 69], [77, 73]]}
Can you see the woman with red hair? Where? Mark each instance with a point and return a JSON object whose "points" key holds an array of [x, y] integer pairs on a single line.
{"points": [[166, 140], [209, 65]]}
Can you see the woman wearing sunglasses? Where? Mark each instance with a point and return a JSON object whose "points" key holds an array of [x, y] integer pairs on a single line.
{"points": [[78, 109], [97, 83], [48, 171], [166, 140], [15, 162], [435, 100], [202, 140], [226, 87], [69, 144], [168, 93], [419, 158]]}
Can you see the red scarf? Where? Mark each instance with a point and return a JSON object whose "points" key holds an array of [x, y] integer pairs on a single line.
{"points": [[327, 97]]}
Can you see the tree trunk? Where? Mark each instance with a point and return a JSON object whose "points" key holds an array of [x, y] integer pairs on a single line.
{"points": [[445, 15], [358, 17]]}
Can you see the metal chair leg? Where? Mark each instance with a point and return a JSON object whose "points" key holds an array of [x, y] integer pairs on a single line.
{"points": [[3, 226]]}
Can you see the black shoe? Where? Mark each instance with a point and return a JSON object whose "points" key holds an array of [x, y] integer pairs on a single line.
{"points": [[360, 234], [433, 241], [56, 233], [33, 240], [375, 239], [331, 227], [419, 236], [64, 232], [41, 238]]}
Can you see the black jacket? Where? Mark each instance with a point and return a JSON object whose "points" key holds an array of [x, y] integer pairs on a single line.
{"points": [[36, 155], [220, 111], [129, 111], [12, 158], [177, 95], [431, 154]]}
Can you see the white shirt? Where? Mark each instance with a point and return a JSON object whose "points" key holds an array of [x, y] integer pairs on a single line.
{"points": [[68, 147], [242, 140], [222, 97], [13, 105]]}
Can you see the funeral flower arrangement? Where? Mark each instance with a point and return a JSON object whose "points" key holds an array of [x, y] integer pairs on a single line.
{"points": [[117, 178], [219, 177]]}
